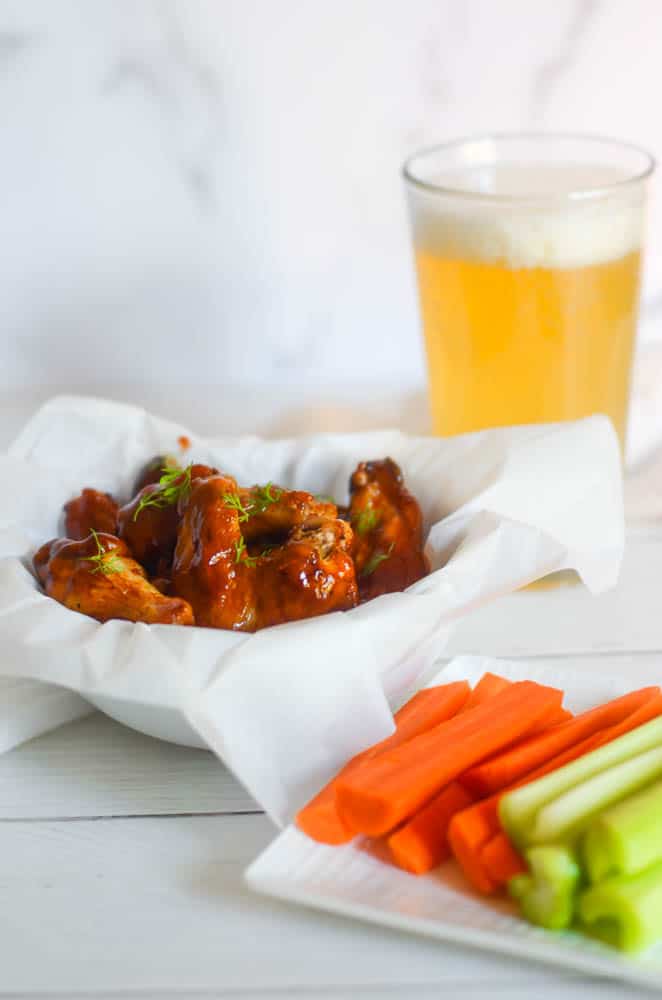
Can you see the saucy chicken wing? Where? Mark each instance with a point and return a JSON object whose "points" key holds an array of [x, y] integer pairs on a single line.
{"points": [[388, 530], [194, 547], [91, 510], [148, 523], [98, 577], [311, 574], [236, 580], [270, 511]]}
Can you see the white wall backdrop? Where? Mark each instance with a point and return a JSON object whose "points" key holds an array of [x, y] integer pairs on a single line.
{"points": [[208, 190]]}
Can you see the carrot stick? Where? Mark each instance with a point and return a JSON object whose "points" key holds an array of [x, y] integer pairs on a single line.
{"points": [[428, 707], [506, 768], [422, 843], [472, 829], [385, 791], [500, 860], [649, 710], [487, 687], [555, 718], [468, 832]]}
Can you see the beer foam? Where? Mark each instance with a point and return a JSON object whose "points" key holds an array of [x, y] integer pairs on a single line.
{"points": [[540, 227]]}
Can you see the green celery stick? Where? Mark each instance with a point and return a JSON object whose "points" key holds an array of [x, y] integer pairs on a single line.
{"points": [[518, 809], [568, 815], [547, 896], [626, 838], [625, 911]]}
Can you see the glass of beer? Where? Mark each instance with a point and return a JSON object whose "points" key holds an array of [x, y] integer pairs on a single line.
{"points": [[528, 251]]}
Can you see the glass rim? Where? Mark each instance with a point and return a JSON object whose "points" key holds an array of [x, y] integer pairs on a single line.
{"points": [[580, 194]]}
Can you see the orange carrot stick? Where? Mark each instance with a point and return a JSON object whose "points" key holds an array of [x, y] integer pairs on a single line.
{"points": [[428, 707], [422, 843], [508, 767], [385, 791], [554, 718], [487, 687], [468, 832], [500, 860], [649, 710]]}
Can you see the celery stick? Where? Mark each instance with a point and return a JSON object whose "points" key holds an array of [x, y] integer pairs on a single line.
{"points": [[626, 838], [517, 809], [547, 895], [569, 814], [625, 911]]}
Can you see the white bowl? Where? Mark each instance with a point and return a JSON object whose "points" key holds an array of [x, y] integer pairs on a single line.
{"points": [[153, 720]]}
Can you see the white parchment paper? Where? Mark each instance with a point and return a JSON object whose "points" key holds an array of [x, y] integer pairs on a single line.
{"points": [[284, 708]]}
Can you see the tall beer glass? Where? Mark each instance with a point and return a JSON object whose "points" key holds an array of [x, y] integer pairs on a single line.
{"points": [[528, 256]]}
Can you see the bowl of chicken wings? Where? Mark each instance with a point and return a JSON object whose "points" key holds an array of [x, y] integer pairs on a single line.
{"points": [[191, 546], [273, 599]]}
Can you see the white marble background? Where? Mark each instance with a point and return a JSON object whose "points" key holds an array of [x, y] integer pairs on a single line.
{"points": [[208, 191]]}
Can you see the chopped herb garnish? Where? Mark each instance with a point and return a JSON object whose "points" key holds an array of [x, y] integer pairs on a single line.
{"points": [[325, 498], [173, 484], [105, 561], [241, 555], [234, 502], [375, 560], [366, 520], [262, 497]]}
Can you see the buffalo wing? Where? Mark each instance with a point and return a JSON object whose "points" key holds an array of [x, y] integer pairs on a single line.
{"points": [[388, 530], [236, 586], [98, 577]]}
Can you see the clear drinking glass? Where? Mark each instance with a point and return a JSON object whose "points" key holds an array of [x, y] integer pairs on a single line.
{"points": [[528, 252]]}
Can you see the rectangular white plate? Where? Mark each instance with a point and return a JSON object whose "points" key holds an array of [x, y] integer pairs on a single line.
{"points": [[349, 881]]}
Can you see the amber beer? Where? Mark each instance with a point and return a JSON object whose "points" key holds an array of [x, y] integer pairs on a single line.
{"points": [[528, 275]]}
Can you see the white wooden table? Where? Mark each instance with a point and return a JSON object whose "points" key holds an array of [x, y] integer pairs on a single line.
{"points": [[121, 858]]}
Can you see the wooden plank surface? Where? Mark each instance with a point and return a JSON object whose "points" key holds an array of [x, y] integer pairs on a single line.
{"points": [[452, 989], [96, 767], [135, 905]]}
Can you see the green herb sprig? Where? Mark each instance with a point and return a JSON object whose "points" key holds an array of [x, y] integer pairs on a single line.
{"points": [[241, 554], [261, 498], [173, 484], [375, 560], [234, 502], [105, 561], [366, 521]]}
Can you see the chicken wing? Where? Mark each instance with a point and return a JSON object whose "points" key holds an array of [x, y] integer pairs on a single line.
{"points": [[311, 574], [272, 512], [236, 585], [98, 577], [388, 530], [90, 510], [149, 522]]}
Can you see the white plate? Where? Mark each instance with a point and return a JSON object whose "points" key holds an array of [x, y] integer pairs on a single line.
{"points": [[349, 881]]}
